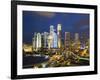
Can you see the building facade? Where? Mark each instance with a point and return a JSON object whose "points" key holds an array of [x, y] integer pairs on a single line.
{"points": [[45, 37], [38, 44], [67, 40], [77, 41], [59, 35]]}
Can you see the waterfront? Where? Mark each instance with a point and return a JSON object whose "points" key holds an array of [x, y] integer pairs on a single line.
{"points": [[44, 61]]}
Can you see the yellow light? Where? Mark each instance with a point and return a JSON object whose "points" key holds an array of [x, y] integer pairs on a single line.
{"points": [[59, 27], [27, 48]]}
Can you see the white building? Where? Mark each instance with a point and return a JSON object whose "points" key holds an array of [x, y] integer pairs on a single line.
{"points": [[34, 40], [59, 35], [45, 37], [38, 44], [54, 40]]}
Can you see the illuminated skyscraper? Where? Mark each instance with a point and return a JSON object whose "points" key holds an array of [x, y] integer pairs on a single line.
{"points": [[54, 39], [77, 41], [33, 43], [45, 37], [76, 37], [51, 34], [34, 39], [67, 40], [38, 44], [51, 29], [42, 40], [50, 41], [59, 35], [84, 39]]}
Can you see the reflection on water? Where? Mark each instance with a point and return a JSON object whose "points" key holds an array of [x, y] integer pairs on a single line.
{"points": [[43, 61]]}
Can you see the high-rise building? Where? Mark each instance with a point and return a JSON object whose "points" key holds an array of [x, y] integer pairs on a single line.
{"points": [[59, 35], [45, 37], [84, 39], [55, 40], [76, 37], [77, 41], [33, 43], [34, 39], [51, 34], [67, 40], [42, 40], [38, 44], [51, 29], [50, 41]]}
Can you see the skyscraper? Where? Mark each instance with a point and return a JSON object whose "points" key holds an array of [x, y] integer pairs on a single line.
{"points": [[67, 40], [84, 39], [33, 43], [45, 37], [59, 35], [54, 39], [42, 40], [77, 41], [51, 34], [76, 37], [38, 40], [34, 40], [51, 29], [50, 41]]}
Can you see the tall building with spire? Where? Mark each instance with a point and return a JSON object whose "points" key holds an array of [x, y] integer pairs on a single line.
{"points": [[59, 35]]}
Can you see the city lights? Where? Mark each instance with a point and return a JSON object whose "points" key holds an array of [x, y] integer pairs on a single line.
{"points": [[58, 51]]}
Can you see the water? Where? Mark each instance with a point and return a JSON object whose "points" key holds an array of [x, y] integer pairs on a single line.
{"points": [[30, 60]]}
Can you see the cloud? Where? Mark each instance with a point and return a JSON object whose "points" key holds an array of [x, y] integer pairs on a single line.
{"points": [[82, 23], [46, 14]]}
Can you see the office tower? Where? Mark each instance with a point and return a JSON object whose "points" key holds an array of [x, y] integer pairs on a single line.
{"points": [[34, 39], [38, 40], [55, 40], [84, 39], [42, 40], [77, 41], [51, 35], [33, 43], [50, 41], [45, 37], [76, 36], [59, 35], [67, 40], [54, 43], [51, 29]]}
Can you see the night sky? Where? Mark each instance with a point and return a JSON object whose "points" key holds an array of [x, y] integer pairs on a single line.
{"points": [[34, 21]]}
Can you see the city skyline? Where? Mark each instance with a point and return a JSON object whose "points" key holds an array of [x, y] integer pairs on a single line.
{"points": [[54, 39], [69, 22]]}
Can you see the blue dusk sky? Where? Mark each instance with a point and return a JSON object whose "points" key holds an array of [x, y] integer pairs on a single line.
{"points": [[34, 21]]}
